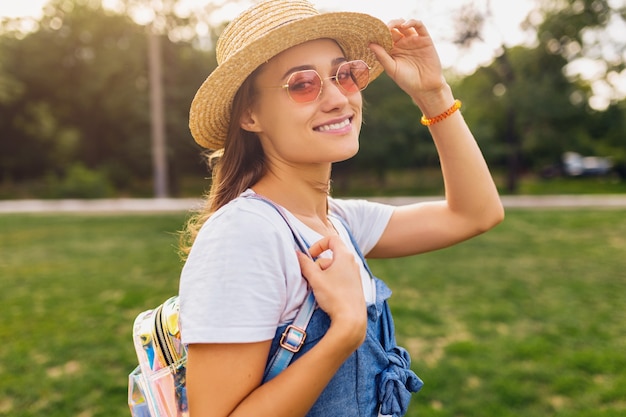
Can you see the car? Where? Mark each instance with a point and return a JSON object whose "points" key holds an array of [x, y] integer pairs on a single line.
{"points": [[576, 165]]}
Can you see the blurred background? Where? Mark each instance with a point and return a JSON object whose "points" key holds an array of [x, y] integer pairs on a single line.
{"points": [[526, 320], [95, 94]]}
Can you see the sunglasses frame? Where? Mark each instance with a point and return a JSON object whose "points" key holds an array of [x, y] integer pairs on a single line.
{"points": [[322, 79]]}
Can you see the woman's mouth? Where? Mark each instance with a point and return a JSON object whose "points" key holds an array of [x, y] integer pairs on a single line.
{"points": [[332, 127]]}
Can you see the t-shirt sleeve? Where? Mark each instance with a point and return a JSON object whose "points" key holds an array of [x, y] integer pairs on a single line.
{"points": [[234, 284], [367, 220]]}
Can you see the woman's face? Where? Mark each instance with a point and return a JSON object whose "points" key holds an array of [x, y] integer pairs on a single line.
{"points": [[325, 130]]}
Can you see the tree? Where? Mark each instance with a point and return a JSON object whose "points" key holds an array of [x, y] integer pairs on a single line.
{"points": [[74, 87], [538, 108], [25, 126], [80, 94], [587, 32]]}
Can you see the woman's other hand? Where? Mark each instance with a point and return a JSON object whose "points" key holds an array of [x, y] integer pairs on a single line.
{"points": [[336, 283]]}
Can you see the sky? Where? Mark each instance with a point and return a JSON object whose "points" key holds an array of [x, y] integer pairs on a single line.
{"points": [[436, 14]]}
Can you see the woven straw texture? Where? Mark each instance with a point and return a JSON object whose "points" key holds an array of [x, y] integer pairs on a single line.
{"points": [[262, 32]]}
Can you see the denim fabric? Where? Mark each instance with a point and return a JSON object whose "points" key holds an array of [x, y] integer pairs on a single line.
{"points": [[375, 379]]}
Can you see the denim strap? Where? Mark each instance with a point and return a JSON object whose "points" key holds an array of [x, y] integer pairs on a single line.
{"points": [[296, 332]]}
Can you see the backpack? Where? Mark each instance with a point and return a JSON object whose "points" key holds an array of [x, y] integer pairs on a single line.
{"points": [[157, 385]]}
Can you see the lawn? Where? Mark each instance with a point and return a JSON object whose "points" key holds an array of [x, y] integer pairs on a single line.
{"points": [[527, 320]]}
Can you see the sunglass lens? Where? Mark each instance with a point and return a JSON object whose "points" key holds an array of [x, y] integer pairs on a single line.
{"points": [[353, 76], [304, 86]]}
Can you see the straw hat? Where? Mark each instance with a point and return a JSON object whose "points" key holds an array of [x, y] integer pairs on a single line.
{"points": [[260, 33]]}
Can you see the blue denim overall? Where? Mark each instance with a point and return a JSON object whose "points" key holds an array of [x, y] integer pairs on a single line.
{"points": [[376, 378]]}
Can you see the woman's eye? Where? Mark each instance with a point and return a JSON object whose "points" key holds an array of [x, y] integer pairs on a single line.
{"points": [[301, 85], [303, 81], [344, 75]]}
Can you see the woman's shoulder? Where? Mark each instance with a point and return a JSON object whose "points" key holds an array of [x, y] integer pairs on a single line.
{"points": [[358, 210], [365, 220], [241, 231], [246, 216]]}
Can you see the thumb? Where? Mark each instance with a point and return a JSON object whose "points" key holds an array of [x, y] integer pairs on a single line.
{"points": [[307, 265], [383, 57]]}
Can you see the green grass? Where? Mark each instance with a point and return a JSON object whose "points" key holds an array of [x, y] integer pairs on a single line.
{"points": [[526, 320]]}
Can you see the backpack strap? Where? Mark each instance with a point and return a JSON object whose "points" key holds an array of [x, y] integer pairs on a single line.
{"points": [[354, 243], [294, 335]]}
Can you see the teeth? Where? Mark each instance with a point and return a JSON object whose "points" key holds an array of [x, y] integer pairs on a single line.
{"points": [[333, 126]]}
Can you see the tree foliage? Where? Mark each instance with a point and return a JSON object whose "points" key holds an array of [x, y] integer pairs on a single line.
{"points": [[525, 104], [77, 91], [74, 97]]}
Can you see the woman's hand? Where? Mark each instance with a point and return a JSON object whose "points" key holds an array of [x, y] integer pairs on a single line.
{"points": [[225, 378], [336, 283], [472, 204], [413, 62]]}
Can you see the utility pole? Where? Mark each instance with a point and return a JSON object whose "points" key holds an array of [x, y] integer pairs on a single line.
{"points": [[162, 17], [157, 113]]}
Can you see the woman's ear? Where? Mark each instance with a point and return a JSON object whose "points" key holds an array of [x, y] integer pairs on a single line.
{"points": [[248, 122]]}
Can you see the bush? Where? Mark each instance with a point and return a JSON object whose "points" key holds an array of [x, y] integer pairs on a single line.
{"points": [[80, 182]]}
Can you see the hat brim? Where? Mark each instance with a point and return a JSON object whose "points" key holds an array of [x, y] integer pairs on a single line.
{"points": [[209, 116]]}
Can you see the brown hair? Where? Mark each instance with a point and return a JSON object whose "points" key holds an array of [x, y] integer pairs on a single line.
{"points": [[236, 167]]}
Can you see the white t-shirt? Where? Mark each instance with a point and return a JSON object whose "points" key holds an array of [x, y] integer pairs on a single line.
{"points": [[242, 278]]}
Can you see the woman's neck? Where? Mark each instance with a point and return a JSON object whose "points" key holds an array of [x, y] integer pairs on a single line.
{"points": [[304, 197]]}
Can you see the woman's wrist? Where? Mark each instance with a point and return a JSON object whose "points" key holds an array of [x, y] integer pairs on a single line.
{"points": [[348, 334], [435, 102]]}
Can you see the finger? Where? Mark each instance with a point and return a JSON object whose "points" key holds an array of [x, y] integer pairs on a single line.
{"points": [[396, 35], [320, 246], [308, 269], [395, 23], [406, 28], [416, 25], [309, 266], [405, 32], [324, 263], [304, 259], [401, 28], [332, 243]]}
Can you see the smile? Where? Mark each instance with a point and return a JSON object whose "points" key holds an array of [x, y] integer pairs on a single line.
{"points": [[333, 126]]}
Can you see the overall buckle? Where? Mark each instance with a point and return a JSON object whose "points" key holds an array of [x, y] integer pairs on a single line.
{"points": [[293, 338]]}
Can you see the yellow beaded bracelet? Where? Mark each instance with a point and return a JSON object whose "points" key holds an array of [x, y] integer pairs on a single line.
{"points": [[431, 121]]}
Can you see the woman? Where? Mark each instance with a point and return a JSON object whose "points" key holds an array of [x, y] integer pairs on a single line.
{"points": [[282, 106]]}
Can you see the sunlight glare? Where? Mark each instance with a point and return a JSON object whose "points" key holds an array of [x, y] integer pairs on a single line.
{"points": [[28, 8]]}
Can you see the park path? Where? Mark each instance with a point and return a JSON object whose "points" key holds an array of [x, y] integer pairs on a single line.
{"points": [[130, 205]]}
